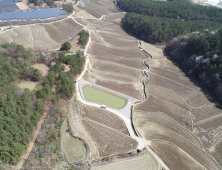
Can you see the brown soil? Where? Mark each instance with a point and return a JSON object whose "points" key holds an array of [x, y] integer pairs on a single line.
{"points": [[153, 104], [141, 118], [154, 132], [174, 158], [109, 141], [209, 131], [114, 17], [104, 117], [167, 94]]}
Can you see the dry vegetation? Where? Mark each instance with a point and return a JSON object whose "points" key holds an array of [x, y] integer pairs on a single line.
{"points": [[115, 59], [174, 157], [114, 17], [152, 131], [154, 104], [109, 141], [137, 163], [176, 102], [209, 131], [73, 148], [42, 68], [104, 117], [140, 118], [27, 84], [42, 36]]}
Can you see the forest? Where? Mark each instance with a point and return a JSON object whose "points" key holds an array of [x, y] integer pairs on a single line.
{"points": [[158, 21], [201, 55], [20, 110]]}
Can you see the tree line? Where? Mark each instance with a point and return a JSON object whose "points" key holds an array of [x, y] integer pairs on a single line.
{"points": [[21, 110], [156, 21], [200, 55]]}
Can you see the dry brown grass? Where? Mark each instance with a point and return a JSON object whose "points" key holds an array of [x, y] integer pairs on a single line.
{"points": [[4, 38], [114, 68], [107, 140], [209, 131], [176, 77], [24, 35], [205, 112], [114, 17], [137, 163], [168, 95], [105, 117], [174, 158], [166, 64], [127, 89], [42, 39], [153, 104], [141, 118], [117, 77], [152, 50], [130, 52], [132, 63], [79, 20], [216, 153], [153, 131], [11, 33], [74, 148], [193, 97], [90, 11]]}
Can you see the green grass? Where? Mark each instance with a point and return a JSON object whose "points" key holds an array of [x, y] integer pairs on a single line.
{"points": [[98, 96]]}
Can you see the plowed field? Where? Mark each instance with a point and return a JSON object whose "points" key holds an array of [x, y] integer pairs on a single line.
{"points": [[109, 141]]}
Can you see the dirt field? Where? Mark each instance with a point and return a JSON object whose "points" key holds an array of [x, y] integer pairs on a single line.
{"points": [[175, 158], [140, 118], [27, 84], [109, 141], [153, 104], [42, 68], [167, 94], [217, 153], [104, 117], [143, 162], [209, 131], [42, 36], [153, 131], [114, 17], [75, 121], [74, 148]]}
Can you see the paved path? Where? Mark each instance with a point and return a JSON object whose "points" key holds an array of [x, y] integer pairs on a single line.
{"points": [[125, 111]]}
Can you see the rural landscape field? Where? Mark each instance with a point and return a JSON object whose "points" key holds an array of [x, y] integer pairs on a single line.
{"points": [[105, 87]]}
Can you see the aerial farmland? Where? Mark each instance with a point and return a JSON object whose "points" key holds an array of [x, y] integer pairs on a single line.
{"points": [[80, 90]]}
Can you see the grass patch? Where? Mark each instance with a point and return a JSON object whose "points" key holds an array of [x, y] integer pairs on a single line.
{"points": [[73, 148], [27, 84], [98, 96], [42, 68]]}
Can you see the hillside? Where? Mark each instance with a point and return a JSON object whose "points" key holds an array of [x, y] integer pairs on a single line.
{"points": [[158, 21]]}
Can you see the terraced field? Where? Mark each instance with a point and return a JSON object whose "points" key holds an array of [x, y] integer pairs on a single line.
{"points": [[104, 117], [42, 36], [108, 140], [181, 112], [145, 162], [116, 60]]}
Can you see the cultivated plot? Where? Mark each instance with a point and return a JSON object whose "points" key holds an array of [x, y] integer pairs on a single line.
{"points": [[108, 140], [104, 117], [145, 162]]}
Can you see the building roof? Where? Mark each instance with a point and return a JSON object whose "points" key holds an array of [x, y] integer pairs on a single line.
{"points": [[33, 14]]}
